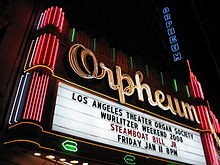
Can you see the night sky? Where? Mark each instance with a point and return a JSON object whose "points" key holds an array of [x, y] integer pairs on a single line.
{"points": [[138, 27]]}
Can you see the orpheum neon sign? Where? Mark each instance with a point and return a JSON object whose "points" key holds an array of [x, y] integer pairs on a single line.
{"points": [[99, 71]]}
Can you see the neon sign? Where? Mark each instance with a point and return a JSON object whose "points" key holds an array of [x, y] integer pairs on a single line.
{"points": [[174, 46], [158, 98], [129, 159], [70, 146]]}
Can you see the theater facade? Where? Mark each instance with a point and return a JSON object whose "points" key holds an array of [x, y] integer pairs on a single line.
{"points": [[71, 98]]}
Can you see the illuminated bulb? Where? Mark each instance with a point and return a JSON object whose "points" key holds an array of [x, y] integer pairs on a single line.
{"points": [[37, 154], [62, 159], [68, 163], [85, 163], [74, 161], [50, 157]]}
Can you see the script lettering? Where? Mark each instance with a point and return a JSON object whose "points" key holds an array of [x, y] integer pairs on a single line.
{"points": [[124, 83]]}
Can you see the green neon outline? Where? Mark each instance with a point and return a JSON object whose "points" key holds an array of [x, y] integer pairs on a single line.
{"points": [[69, 146], [129, 159]]}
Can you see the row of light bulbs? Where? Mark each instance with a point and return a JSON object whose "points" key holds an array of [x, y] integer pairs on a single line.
{"points": [[61, 160]]}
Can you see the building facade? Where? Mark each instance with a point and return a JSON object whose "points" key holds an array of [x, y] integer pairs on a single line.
{"points": [[70, 95]]}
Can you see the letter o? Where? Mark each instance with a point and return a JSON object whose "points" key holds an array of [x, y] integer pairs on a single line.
{"points": [[73, 60]]}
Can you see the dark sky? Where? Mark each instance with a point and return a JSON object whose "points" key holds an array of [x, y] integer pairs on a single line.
{"points": [[137, 27], [206, 63], [198, 29]]}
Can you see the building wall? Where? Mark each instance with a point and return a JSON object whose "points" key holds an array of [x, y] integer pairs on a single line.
{"points": [[18, 19]]}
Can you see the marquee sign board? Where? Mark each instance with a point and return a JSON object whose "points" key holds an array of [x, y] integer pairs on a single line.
{"points": [[88, 116]]}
